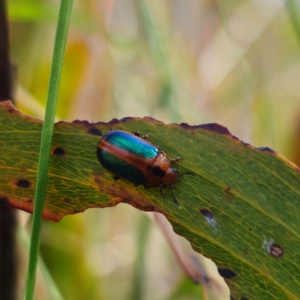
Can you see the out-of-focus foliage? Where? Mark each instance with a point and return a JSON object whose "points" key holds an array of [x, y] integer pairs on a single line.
{"points": [[236, 63]]}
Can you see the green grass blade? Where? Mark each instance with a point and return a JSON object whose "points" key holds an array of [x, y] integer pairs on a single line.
{"points": [[52, 288], [47, 133], [139, 275], [294, 16]]}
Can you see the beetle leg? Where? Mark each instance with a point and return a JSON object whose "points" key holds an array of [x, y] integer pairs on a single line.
{"points": [[116, 177], [187, 173], [173, 196], [177, 159], [161, 189], [144, 136]]}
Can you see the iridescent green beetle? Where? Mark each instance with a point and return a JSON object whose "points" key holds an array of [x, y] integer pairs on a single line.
{"points": [[130, 157]]}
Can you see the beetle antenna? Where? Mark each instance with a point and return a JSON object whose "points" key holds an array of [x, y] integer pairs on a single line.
{"points": [[187, 173], [173, 196]]}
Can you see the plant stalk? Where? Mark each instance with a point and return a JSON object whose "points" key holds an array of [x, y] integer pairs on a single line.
{"points": [[46, 140]]}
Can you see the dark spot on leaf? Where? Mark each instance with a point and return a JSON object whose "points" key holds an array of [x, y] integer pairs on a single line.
{"points": [[189, 127], [244, 143], [157, 171], [228, 194], [29, 200], [67, 200], [95, 131], [147, 207], [11, 110], [206, 213], [216, 128], [23, 183], [226, 273], [245, 251], [77, 122], [115, 122], [125, 119], [244, 298], [76, 211], [276, 250], [59, 151], [184, 125], [250, 229], [4, 199], [266, 149]]}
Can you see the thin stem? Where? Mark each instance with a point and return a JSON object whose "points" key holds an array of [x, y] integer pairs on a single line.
{"points": [[46, 140]]}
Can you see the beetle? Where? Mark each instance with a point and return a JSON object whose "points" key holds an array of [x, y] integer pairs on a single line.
{"points": [[130, 157]]}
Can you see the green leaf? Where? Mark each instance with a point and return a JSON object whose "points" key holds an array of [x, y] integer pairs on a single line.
{"points": [[241, 209]]}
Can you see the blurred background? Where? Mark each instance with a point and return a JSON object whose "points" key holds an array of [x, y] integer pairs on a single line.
{"points": [[236, 63]]}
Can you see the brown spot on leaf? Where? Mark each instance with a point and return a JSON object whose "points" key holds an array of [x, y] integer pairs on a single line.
{"points": [[216, 128], [115, 121], [95, 131], [58, 151], [226, 273], [276, 250], [244, 143], [244, 298], [228, 194], [9, 107], [23, 183], [245, 251], [272, 248], [125, 119], [29, 200], [78, 122], [188, 127], [266, 149]]}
